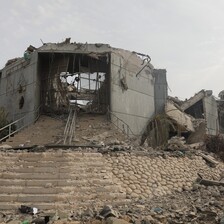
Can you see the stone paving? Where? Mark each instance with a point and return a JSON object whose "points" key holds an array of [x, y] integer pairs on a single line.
{"points": [[145, 177]]}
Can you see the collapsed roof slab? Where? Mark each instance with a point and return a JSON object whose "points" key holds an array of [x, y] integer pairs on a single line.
{"points": [[203, 105], [193, 100], [182, 119]]}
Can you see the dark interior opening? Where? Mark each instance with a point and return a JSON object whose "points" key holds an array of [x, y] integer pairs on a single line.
{"points": [[67, 78], [196, 110]]}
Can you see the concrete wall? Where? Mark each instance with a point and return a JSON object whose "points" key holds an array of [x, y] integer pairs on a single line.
{"points": [[160, 90], [136, 104], [211, 115], [20, 80], [220, 104]]}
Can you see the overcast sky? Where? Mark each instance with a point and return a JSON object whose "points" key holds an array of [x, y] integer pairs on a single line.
{"points": [[186, 37]]}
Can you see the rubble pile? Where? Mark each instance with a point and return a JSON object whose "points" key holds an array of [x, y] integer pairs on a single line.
{"points": [[176, 143], [215, 144], [201, 205]]}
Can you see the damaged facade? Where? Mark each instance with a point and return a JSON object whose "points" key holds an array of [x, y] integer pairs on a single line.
{"points": [[220, 103], [194, 119], [203, 105], [96, 77]]}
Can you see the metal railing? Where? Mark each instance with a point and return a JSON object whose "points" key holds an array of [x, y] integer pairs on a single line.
{"points": [[20, 123], [69, 130], [120, 124]]}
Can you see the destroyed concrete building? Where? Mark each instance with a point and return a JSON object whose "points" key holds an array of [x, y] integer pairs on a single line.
{"points": [[43, 180], [194, 119], [96, 77], [203, 105]]}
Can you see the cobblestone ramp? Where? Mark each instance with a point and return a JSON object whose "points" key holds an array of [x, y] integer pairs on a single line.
{"points": [[56, 180]]}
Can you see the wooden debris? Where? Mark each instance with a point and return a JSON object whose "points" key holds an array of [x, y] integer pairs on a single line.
{"points": [[209, 159], [207, 182]]}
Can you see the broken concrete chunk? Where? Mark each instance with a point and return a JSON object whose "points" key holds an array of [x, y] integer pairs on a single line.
{"points": [[184, 121], [209, 159], [107, 211], [222, 220], [5, 146], [176, 143], [197, 145], [113, 220], [41, 220]]}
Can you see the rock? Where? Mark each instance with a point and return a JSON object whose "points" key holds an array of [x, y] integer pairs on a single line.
{"points": [[148, 220], [107, 211], [113, 220], [137, 191], [176, 143], [222, 220], [132, 186], [157, 210], [126, 218], [88, 213], [141, 207], [2, 218], [5, 146], [195, 187], [41, 220], [114, 142], [17, 222], [70, 222], [134, 195]]}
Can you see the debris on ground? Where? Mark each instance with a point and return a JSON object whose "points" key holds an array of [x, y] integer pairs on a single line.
{"points": [[177, 143], [173, 183], [108, 211], [28, 210]]}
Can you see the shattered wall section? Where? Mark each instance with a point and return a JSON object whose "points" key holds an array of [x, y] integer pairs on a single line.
{"points": [[204, 106], [183, 120], [193, 100], [211, 115], [19, 87], [160, 90], [221, 115], [132, 98]]}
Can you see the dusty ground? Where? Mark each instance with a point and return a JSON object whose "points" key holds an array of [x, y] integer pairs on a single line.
{"points": [[45, 131], [92, 128]]}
